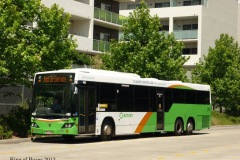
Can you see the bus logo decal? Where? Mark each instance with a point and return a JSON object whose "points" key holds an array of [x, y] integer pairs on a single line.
{"points": [[125, 115]]}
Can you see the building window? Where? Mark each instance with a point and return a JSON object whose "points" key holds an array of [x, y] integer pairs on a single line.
{"points": [[164, 28], [189, 51], [190, 26], [191, 3], [133, 6], [196, 2], [187, 27], [187, 3], [194, 26], [106, 7], [105, 37], [161, 5]]}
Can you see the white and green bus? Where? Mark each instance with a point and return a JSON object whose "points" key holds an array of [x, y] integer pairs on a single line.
{"points": [[108, 103]]}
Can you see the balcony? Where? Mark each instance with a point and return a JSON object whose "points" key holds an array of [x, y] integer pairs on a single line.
{"points": [[84, 43], [78, 9], [186, 34], [101, 46], [175, 3], [109, 16]]}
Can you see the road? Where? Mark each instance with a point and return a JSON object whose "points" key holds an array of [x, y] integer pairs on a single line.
{"points": [[222, 143]]}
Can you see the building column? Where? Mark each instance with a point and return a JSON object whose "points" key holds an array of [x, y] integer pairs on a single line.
{"points": [[170, 24]]}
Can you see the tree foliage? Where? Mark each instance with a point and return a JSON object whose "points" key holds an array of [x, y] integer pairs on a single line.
{"points": [[146, 51], [221, 69], [32, 38]]}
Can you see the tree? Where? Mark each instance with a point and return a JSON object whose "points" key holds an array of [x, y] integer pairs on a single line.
{"points": [[221, 70], [146, 51], [82, 59], [32, 38]]}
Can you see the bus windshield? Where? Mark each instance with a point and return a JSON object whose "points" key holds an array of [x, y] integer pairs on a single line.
{"points": [[52, 101]]}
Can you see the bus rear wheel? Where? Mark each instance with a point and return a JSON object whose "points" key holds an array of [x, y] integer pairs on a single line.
{"points": [[190, 126], [178, 127], [106, 130]]}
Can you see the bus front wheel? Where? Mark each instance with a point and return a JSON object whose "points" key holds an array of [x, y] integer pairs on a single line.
{"points": [[178, 127], [106, 130]]}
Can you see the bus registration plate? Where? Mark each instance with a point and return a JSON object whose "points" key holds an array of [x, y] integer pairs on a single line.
{"points": [[49, 132]]}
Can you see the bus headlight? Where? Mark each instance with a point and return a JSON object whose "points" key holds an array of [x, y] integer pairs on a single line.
{"points": [[33, 124], [68, 125]]}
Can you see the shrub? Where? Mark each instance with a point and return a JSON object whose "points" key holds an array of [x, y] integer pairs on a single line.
{"points": [[16, 123], [5, 131]]}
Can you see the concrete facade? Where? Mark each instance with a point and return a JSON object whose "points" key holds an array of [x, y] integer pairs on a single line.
{"points": [[197, 23], [93, 22]]}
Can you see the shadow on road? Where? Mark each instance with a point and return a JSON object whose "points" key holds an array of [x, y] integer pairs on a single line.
{"points": [[95, 139]]}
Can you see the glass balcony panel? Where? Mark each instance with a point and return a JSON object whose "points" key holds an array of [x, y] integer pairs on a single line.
{"points": [[186, 34], [173, 3], [109, 16], [101, 46]]}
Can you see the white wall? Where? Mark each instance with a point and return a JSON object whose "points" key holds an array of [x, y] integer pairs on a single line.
{"points": [[219, 17], [84, 44], [75, 8], [81, 21], [80, 28]]}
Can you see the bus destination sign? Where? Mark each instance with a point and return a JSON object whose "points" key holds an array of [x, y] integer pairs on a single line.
{"points": [[54, 78]]}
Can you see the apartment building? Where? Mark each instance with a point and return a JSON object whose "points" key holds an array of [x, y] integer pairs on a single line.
{"points": [[197, 23], [93, 22]]}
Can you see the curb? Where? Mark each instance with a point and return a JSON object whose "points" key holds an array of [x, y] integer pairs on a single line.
{"points": [[18, 140]]}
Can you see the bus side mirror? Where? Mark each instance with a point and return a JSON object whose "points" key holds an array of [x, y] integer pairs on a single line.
{"points": [[74, 88]]}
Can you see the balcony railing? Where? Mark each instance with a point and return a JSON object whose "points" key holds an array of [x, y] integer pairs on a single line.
{"points": [[109, 16], [101, 46], [186, 34], [174, 3]]}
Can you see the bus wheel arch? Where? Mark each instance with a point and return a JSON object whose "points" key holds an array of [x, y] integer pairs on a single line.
{"points": [[190, 126], [107, 129], [178, 127]]}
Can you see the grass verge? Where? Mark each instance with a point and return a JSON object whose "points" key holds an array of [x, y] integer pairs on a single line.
{"points": [[223, 119]]}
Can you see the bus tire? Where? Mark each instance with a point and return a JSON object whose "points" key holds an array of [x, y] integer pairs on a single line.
{"points": [[189, 127], [106, 130], [178, 127]]}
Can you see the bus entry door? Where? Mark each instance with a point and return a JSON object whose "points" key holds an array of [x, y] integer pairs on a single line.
{"points": [[160, 111], [87, 110]]}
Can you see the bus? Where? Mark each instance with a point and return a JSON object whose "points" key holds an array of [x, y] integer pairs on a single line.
{"points": [[110, 103]]}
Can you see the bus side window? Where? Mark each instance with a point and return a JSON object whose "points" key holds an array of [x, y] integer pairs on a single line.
{"points": [[168, 99], [125, 100], [107, 95], [141, 98]]}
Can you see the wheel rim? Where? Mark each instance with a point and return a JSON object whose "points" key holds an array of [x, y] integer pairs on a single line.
{"points": [[189, 127], [179, 127], [107, 130]]}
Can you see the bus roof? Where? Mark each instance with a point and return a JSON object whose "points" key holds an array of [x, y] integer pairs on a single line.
{"points": [[96, 75]]}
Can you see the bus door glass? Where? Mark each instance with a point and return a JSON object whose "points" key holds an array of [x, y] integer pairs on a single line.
{"points": [[160, 111], [87, 110]]}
